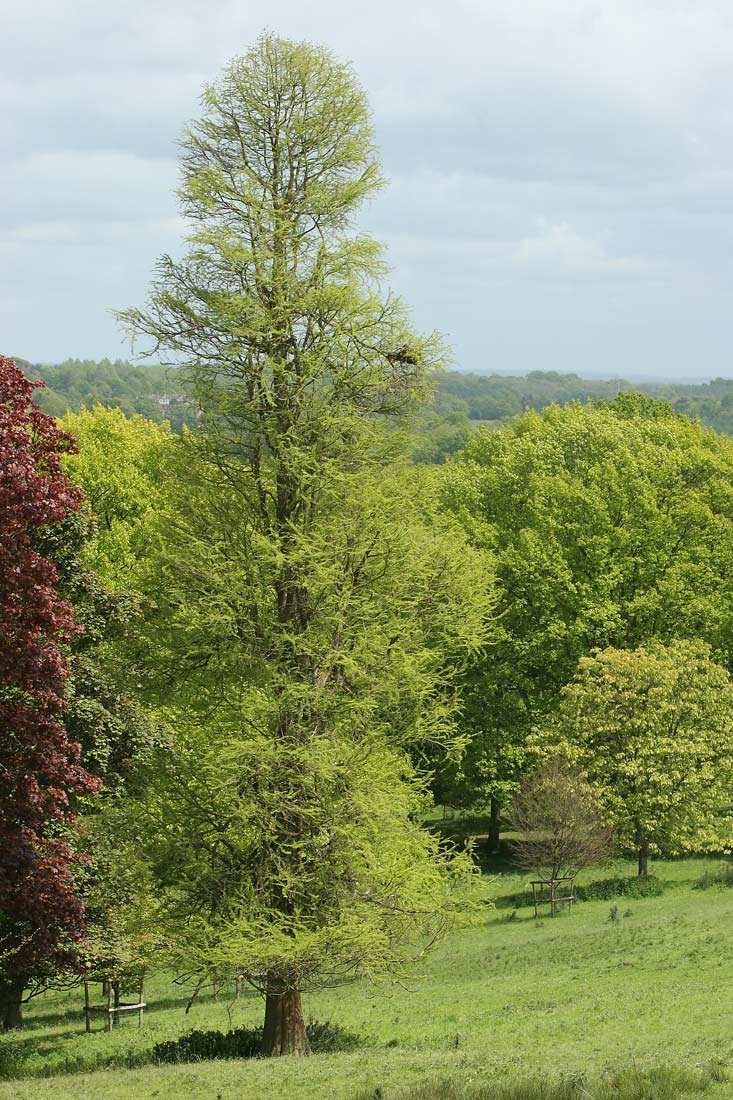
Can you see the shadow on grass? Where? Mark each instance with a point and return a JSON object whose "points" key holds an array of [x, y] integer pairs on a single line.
{"points": [[176, 997], [194, 1046]]}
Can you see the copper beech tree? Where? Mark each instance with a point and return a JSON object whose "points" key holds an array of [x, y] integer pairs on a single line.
{"points": [[41, 917]]}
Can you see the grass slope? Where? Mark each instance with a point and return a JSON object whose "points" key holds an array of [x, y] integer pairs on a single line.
{"points": [[549, 1006]]}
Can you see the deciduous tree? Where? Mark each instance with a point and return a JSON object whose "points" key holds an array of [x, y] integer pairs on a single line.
{"points": [[311, 609], [561, 820], [608, 525], [653, 728], [117, 461], [41, 917]]}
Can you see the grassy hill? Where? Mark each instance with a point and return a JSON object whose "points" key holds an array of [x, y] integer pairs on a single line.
{"points": [[626, 998]]}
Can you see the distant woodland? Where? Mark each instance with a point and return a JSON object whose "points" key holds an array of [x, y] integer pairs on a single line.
{"points": [[150, 391], [462, 401]]}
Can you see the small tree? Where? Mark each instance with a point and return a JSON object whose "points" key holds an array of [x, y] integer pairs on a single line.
{"points": [[653, 729], [561, 820], [41, 916]]}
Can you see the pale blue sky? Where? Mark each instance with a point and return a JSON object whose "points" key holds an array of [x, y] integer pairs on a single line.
{"points": [[562, 170]]}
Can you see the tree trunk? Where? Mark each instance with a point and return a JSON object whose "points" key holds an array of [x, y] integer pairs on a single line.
{"points": [[115, 1017], [492, 840], [643, 854], [11, 1003], [284, 1031]]}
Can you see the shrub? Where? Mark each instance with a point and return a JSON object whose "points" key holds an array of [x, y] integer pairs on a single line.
{"points": [[246, 1042], [328, 1038], [604, 889], [633, 886]]}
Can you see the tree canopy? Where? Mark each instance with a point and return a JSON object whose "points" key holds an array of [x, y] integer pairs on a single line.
{"points": [[561, 822], [653, 728], [608, 525], [41, 916]]}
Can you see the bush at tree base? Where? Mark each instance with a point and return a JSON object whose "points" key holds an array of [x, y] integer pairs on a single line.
{"points": [[246, 1042]]}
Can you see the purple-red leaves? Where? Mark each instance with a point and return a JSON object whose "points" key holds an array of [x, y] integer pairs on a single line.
{"points": [[40, 915]]}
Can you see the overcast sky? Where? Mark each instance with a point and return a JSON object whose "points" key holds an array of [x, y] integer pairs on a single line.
{"points": [[561, 171]]}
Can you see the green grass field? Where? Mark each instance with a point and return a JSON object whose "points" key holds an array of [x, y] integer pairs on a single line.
{"points": [[639, 1007]]}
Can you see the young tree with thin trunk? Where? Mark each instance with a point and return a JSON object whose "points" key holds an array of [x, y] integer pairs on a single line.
{"points": [[561, 821], [312, 609]]}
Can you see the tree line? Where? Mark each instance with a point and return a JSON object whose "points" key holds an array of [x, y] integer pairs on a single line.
{"points": [[460, 401], [241, 659]]}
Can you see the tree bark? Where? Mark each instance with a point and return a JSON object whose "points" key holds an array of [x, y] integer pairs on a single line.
{"points": [[11, 1003], [284, 1031], [492, 840], [643, 855]]}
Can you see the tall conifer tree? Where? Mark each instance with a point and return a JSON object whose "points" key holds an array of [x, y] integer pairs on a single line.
{"points": [[311, 609]]}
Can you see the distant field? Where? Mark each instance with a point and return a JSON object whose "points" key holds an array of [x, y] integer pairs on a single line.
{"points": [[572, 999]]}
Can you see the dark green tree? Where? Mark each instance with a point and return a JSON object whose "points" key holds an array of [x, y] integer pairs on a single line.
{"points": [[608, 525]]}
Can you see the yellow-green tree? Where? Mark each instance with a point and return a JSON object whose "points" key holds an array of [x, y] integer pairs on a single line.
{"points": [[653, 728], [118, 462], [311, 609]]}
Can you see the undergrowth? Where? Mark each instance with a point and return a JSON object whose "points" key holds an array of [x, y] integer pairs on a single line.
{"points": [[246, 1042], [604, 889], [630, 1083], [324, 1037], [721, 876]]}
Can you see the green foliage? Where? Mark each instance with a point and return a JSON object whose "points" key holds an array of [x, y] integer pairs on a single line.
{"points": [[439, 435], [622, 886], [149, 391], [308, 610], [355, 872], [122, 909], [653, 727], [607, 525], [119, 465], [462, 401], [604, 889], [202, 1046], [100, 715], [495, 398]]}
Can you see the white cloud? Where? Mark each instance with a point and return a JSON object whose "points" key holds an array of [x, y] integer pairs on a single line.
{"points": [[539, 150], [559, 250], [93, 185]]}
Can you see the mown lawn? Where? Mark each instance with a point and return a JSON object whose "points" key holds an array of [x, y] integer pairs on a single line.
{"points": [[568, 1001]]}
